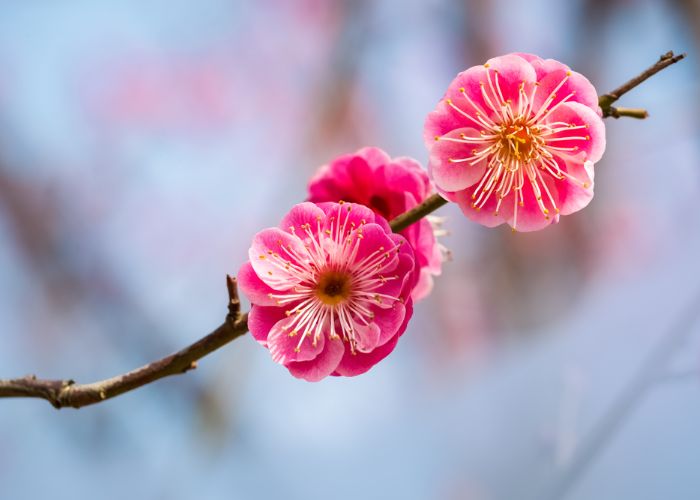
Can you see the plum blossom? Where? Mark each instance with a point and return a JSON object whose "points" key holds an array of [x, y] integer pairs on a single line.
{"points": [[515, 141], [389, 187], [330, 289]]}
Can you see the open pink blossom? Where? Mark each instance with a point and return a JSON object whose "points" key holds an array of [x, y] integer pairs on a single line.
{"points": [[515, 141], [330, 289], [389, 187]]}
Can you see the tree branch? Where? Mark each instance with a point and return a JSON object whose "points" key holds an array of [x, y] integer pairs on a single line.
{"points": [[66, 393], [430, 204], [606, 100]]}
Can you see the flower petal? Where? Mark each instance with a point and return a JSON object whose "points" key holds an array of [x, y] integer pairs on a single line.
{"points": [[321, 366], [486, 215], [576, 114], [575, 87], [358, 363], [286, 346], [262, 319], [268, 254], [573, 196], [300, 215], [253, 287], [449, 166], [530, 215], [389, 321], [367, 336]]}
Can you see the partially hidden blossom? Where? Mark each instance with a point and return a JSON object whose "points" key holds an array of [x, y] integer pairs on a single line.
{"points": [[515, 140], [390, 187], [330, 289]]}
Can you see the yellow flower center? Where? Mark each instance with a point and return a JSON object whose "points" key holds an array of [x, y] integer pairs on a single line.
{"points": [[333, 288]]}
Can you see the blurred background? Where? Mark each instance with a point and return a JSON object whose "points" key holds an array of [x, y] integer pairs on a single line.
{"points": [[142, 144]]}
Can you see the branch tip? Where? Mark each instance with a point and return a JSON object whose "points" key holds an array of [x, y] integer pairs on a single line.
{"points": [[234, 303], [606, 101]]}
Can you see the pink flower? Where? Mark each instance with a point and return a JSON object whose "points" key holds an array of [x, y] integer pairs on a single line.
{"points": [[515, 141], [330, 289], [389, 187]]}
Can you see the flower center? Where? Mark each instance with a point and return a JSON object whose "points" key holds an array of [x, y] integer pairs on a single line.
{"points": [[518, 140], [333, 288]]}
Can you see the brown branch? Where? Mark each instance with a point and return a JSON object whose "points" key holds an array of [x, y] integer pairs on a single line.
{"points": [[638, 113], [404, 220], [66, 393], [606, 100]]}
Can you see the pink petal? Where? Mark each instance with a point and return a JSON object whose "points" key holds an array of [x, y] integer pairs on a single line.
{"points": [[283, 347], [360, 174], [253, 287], [262, 319], [350, 215], [389, 321], [367, 336], [374, 241], [270, 248], [446, 118], [573, 196], [356, 364], [404, 175], [577, 114], [486, 214], [454, 175], [322, 366], [512, 71], [582, 89], [373, 156], [530, 216], [298, 216]]}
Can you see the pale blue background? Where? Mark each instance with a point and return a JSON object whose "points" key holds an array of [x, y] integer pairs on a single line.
{"points": [[142, 144]]}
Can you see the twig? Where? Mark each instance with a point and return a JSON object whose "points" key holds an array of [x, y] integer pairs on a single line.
{"points": [[606, 100], [404, 220], [66, 393], [638, 113]]}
